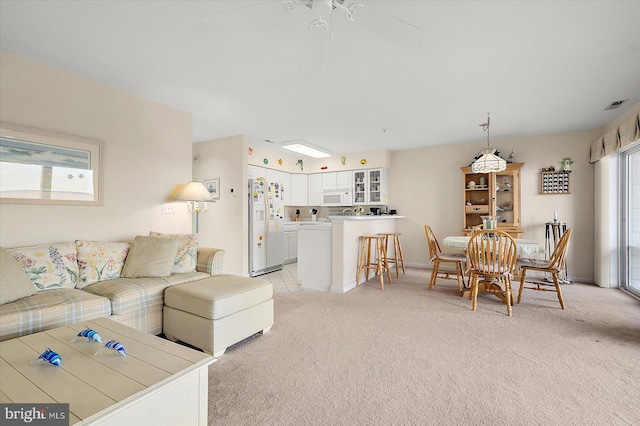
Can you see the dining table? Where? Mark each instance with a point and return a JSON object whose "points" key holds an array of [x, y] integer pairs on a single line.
{"points": [[525, 248]]}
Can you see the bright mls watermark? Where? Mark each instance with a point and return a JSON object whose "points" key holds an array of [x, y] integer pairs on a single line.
{"points": [[34, 414]]}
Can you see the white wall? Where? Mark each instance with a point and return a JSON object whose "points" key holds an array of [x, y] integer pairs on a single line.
{"points": [[426, 185], [225, 225], [147, 152]]}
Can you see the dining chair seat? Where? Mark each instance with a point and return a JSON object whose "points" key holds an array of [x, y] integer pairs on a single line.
{"points": [[554, 266], [453, 257], [529, 262], [437, 257]]}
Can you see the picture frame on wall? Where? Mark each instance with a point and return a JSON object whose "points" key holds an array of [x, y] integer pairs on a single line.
{"points": [[213, 186], [43, 167]]}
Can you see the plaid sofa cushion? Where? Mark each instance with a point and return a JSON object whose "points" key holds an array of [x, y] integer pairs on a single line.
{"points": [[14, 282], [186, 258], [133, 294], [50, 309], [150, 257]]}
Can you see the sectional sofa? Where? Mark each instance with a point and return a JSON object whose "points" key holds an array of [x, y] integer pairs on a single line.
{"points": [[52, 285]]}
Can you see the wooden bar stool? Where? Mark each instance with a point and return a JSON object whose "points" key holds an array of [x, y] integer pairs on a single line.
{"points": [[380, 264], [397, 251]]}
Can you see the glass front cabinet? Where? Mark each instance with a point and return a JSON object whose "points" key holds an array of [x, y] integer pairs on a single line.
{"points": [[370, 187], [495, 194]]}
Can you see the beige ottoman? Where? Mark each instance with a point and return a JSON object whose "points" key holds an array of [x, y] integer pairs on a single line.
{"points": [[214, 313]]}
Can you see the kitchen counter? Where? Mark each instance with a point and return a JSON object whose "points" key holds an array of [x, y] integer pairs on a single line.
{"points": [[363, 217]]}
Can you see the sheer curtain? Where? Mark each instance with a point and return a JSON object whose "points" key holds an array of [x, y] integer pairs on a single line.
{"points": [[630, 209], [620, 135]]}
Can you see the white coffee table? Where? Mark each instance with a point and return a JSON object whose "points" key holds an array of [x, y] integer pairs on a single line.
{"points": [[159, 382]]}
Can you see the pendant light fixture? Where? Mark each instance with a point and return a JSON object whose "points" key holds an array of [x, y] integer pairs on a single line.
{"points": [[488, 162]]}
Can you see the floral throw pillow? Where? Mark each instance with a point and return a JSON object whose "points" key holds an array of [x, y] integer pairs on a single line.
{"points": [[100, 261], [49, 266], [187, 257]]}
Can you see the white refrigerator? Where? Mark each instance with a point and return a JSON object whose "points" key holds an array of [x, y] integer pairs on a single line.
{"points": [[266, 226]]}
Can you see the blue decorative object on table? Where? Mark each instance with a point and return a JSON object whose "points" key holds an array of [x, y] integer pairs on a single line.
{"points": [[48, 356], [113, 345], [90, 335]]}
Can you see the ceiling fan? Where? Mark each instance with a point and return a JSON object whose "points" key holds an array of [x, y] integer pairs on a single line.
{"points": [[324, 10], [365, 14]]}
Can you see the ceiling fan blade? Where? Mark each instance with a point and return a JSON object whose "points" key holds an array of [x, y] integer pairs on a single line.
{"points": [[395, 30], [249, 13]]}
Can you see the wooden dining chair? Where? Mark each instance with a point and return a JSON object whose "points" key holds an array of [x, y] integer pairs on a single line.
{"points": [[554, 266], [437, 257], [492, 260]]}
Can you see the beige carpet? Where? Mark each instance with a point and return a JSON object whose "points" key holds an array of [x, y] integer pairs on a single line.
{"points": [[407, 355]]}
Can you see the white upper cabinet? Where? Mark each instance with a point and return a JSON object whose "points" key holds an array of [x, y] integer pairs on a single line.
{"points": [[378, 184], [299, 190], [256, 172], [329, 180], [315, 189], [370, 186], [344, 179], [337, 180], [360, 185]]}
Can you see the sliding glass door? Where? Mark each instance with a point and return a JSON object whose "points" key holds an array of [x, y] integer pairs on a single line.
{"points": [[630, 208]]}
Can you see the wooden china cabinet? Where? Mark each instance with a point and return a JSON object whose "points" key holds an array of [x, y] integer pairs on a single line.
{"points": [[495, 194]]}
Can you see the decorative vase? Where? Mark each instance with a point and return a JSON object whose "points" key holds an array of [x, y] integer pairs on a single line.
{"points": [[490, 222]]}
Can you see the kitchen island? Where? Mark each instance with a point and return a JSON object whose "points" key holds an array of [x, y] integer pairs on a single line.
{"points": [[345, 245], [314, 255], [338, 275]]}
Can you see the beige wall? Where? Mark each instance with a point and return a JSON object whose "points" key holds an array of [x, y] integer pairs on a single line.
{"points": [[374, 159], [225, 225], [426, 185], [147, 151]]}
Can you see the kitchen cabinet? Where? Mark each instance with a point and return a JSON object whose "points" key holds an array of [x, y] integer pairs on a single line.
{"points": [[493, 194], [299, 190], [256, 172], [291, 242], [370, 187], [337, 180], [315, 189], [344, 179]]}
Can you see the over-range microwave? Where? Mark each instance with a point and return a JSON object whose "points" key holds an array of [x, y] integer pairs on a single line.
{"points": [[337, 197]]}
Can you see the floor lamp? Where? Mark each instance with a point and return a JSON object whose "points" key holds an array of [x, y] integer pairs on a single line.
{"points": [[195, 193]]}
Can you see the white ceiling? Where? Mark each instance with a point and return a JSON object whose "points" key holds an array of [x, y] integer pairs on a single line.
{"points": [[249, 67]]}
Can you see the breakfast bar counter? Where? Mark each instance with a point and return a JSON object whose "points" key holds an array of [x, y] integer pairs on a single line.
{"points": [[345, 242]]}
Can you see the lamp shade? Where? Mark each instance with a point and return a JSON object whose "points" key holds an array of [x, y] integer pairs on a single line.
{"points": [[194, 191], [488, 163]]}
